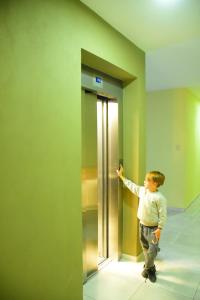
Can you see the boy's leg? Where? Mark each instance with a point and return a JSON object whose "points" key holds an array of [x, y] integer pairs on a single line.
{"points": [[153, 247], [149, 245], [150, 250], [151, 254], [145, 246], [143, 241]]}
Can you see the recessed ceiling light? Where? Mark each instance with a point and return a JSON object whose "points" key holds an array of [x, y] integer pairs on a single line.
{"points": [[167, 2]]}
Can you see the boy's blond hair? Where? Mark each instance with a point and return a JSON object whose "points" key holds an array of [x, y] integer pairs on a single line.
{"points": [[157, 177]]}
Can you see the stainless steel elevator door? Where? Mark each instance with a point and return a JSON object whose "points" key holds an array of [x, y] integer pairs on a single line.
{"points": [[89, 184], [113, 183], [107, 145], [99, 181], [102, 147]]}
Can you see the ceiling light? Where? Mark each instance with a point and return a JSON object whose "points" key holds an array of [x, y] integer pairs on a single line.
{"points": [[167, 2]]}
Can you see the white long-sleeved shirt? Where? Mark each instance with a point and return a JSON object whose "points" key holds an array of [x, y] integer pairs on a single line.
{"points": [[152, 210]]}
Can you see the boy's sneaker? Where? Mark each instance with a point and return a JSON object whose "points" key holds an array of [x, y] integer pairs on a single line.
{"points": [[149, 273], [152, 274], [145, 273]]}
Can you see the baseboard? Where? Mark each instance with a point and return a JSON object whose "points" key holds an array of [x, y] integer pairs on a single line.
{"points": [[194, 201], [174, 210], [127, 257]]}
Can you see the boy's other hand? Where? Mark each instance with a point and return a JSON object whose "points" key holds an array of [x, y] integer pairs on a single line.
{"points": [[157, 233]]}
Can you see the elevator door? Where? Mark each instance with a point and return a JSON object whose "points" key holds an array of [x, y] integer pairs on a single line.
{"points": [[99, 181], [102, 176]]}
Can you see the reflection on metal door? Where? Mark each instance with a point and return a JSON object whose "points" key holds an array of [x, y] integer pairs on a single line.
{"points": [[99, 181], [89, 184], [102, 142]]}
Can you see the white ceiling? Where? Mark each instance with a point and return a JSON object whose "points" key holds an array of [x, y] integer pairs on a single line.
{"points": [[167, 30]]}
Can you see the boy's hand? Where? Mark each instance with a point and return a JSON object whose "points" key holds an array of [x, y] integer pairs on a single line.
{"points": [[120, 171], [157, 233]]}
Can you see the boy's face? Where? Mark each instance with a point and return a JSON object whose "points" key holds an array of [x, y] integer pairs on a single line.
{"points": [[149, 183]]}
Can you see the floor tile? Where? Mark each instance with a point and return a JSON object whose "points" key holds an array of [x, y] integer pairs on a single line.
{"points": [[152, 292], [177, 264], [87, 298], [197, 294], [127, 270], [110, 287], [178, 280]]}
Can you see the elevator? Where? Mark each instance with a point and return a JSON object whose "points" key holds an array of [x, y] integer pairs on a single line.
{"points": [[101, 209]]}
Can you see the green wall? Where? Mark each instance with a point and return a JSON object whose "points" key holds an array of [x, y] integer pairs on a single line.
{"points": [[40, 129], [134, 147], [192, 144], [173, 135]]}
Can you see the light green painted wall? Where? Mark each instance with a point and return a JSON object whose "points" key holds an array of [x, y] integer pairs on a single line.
{"points": [[192, 145], [134, 160], [173, 143], [40, 129]]}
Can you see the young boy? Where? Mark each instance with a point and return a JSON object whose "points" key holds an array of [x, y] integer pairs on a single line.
{"points": [[152, 213]]}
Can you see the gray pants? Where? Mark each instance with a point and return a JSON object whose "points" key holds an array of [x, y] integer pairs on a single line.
{"points": [[149, 244]]}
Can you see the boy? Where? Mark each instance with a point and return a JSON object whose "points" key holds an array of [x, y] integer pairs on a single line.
{"points": [[152, 213]]}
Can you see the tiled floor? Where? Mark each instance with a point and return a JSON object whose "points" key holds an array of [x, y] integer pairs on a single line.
{"points": [[178, 266]]}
